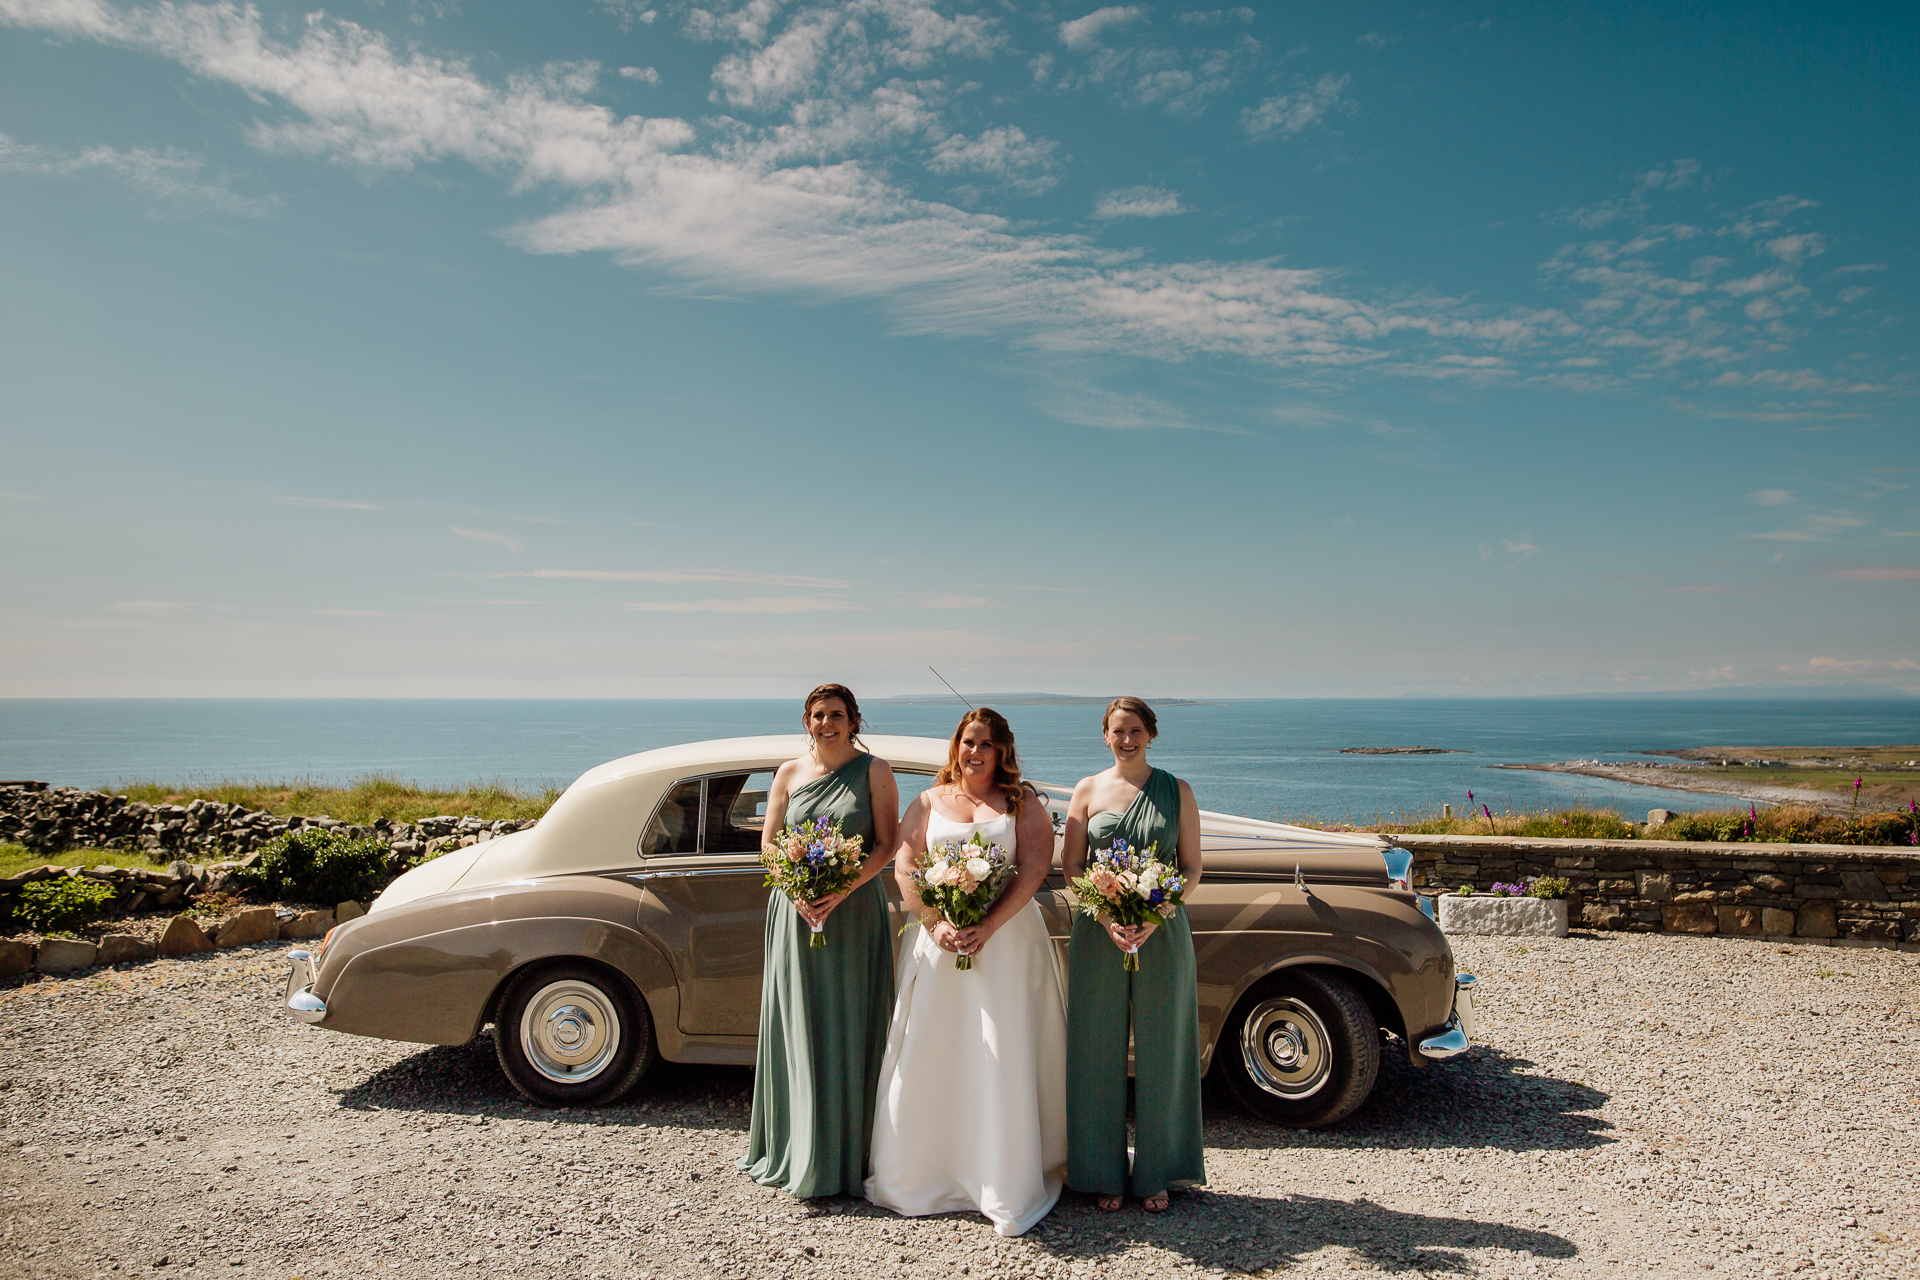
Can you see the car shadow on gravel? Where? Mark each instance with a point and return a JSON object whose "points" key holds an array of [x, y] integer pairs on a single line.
{"points": [[1253, 1235], [1482, 1099], [465, 1079]]}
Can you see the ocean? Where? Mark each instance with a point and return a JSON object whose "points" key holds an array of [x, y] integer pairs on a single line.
{"points": [[1261, 758]]}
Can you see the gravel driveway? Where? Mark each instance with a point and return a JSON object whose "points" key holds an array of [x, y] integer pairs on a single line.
{"points": [[1639, 1103]]}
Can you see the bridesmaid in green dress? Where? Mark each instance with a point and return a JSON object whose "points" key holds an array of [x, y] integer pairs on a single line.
{"points": [[824, 1011], [1144, 806]]}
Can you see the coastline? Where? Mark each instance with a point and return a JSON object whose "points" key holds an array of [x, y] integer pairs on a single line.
{"points": [[1678, 777]]}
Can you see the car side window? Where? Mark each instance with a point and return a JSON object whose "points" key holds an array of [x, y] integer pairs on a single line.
{"points": [[737, 812], [676, 823]]}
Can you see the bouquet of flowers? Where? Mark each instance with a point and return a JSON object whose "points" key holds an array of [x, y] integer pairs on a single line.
{"points": [[809, 860], [1131, 886], [962, 880]]}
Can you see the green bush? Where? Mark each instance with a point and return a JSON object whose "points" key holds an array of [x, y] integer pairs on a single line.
{"points": [[66, 902], [316, 865], [1549, 887]]}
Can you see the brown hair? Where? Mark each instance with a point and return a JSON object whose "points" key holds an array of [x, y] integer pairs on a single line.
{"points": [[840, 691], [1006, 770], [1138, 708]]}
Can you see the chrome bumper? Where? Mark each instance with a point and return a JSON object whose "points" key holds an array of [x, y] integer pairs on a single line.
{"points": [[1456, 1037], [301, 1002]]}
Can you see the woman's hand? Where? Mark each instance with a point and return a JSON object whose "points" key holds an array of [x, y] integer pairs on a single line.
{"points": [[945, 936], [1125, 938], [815, 913], [968, 942]]}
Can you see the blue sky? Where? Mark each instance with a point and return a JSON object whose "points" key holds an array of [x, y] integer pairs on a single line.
{"points": [[647, 349]]}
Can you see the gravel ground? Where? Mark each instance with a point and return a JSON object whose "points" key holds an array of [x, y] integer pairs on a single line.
{"points": [[1639, 1103]]}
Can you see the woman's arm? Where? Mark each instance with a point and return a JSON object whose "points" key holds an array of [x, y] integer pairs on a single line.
{"points": [[1189, 838], [1073, 850], [777, 796], [912, 839]]}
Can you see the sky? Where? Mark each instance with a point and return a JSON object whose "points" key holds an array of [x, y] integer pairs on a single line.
{"points": [[629, 348]]}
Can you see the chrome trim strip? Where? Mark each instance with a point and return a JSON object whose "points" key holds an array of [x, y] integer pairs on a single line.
{"points": [[642, 877]]}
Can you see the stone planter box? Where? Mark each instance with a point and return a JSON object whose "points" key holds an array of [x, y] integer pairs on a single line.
{"points": [[1507, 917]]}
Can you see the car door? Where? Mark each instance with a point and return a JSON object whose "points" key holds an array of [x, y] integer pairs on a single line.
{"points": [[700, 857]]}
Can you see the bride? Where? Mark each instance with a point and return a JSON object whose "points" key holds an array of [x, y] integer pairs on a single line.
{"points": [[972, 1110]]}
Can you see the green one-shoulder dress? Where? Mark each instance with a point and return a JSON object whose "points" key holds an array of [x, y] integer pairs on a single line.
{"points": [[824, 1014], [1164, 1004]]}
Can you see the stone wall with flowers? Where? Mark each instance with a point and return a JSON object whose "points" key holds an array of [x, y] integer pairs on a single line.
{"points": [[1860, 894]]}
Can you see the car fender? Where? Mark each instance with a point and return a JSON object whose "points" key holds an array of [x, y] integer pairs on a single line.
{"points": [[381, 978]]}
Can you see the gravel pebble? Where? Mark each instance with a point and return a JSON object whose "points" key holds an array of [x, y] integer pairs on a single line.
{"points": [[1637, 1103]]}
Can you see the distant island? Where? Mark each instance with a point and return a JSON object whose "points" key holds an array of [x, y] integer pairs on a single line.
{"points": [[1403, 751], [1023, 700]]}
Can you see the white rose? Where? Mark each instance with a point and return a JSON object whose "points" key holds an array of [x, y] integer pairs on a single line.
{"points": [[978, 868], [938, 873]]}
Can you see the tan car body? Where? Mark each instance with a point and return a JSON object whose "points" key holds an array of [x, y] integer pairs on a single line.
{"points": [[429, 960]]}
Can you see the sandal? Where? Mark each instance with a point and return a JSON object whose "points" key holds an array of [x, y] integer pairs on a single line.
{"points": [[1109, 1203], [1155, 1203]]}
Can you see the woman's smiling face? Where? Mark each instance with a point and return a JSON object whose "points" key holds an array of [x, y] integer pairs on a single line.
{"points": [[978, 756], [1127, 735], [828, 722]]}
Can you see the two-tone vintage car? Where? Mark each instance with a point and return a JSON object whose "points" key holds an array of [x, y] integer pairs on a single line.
{"points": [[629, 923]]}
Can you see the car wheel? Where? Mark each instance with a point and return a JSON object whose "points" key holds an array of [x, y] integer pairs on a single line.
{"points": [[1301, 1049], [572, 1035]]}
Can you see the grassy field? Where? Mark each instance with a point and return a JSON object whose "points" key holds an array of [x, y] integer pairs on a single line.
{"points": [[1788, 823], [16, 858], [1889, 777], [376, 796]]}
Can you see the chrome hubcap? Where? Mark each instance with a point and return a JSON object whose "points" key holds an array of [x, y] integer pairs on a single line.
{"points": [[570, 1031], [1285, 1048]]}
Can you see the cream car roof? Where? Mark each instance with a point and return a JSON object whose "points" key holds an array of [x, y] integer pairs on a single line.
{"points": [[595, 825]]}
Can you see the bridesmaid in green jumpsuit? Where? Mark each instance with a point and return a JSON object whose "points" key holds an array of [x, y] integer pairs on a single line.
{"points": [[1144, 806], [824, 1011]]}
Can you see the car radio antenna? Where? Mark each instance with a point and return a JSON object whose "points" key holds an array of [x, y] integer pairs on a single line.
{"points": [[956, 693]]}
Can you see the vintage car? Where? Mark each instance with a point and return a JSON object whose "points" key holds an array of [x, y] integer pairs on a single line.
{"points": [[630, 921]]}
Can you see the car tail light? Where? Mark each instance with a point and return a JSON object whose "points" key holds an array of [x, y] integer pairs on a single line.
{"points": [[321, 950]]}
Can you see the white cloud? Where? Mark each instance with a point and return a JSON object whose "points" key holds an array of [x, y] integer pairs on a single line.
{"points": [[508, 541], [752, 604], [1137, 202], [1005, 153], [336, 504], [1880, 573], [1850, 667], [1853, 268], [629, 13], [153, 608], [951, 601], [170, 179], [738, 577], [1292, 113], [645, 75], [1084, 33], [1215, 17], [1771, 497]]}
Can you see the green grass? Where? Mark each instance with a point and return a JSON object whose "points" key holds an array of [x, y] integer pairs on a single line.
{"points": [[1792, 823], [375, 796], [17, 858]]}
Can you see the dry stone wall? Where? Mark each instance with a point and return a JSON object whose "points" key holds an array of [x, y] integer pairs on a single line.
{"points": [[1866, 895], [52, 819]]}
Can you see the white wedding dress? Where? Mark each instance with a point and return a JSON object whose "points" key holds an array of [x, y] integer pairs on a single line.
{"points": [[972, 1109]]}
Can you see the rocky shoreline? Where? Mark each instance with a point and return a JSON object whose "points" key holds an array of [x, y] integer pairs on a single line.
{"points": [[1693, 778]]}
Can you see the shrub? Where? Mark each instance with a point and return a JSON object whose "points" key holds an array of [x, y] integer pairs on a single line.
{"points": [[1549, 887], [66, 902], [315, 865], [1465, 891]]}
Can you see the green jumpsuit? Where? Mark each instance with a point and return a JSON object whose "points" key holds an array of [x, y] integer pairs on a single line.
{"points": [[1165, 1007], [824, 1014]]}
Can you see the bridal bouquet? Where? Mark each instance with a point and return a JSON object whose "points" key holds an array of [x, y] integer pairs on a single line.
{"points": [[810, 860], [1132, 887], [962, 880]]}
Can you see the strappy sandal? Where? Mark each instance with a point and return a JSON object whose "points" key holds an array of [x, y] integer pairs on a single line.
{"points": [[1156, 1203]]}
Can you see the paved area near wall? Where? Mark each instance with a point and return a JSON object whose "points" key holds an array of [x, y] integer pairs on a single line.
{"points": [[1639, 1104]]}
